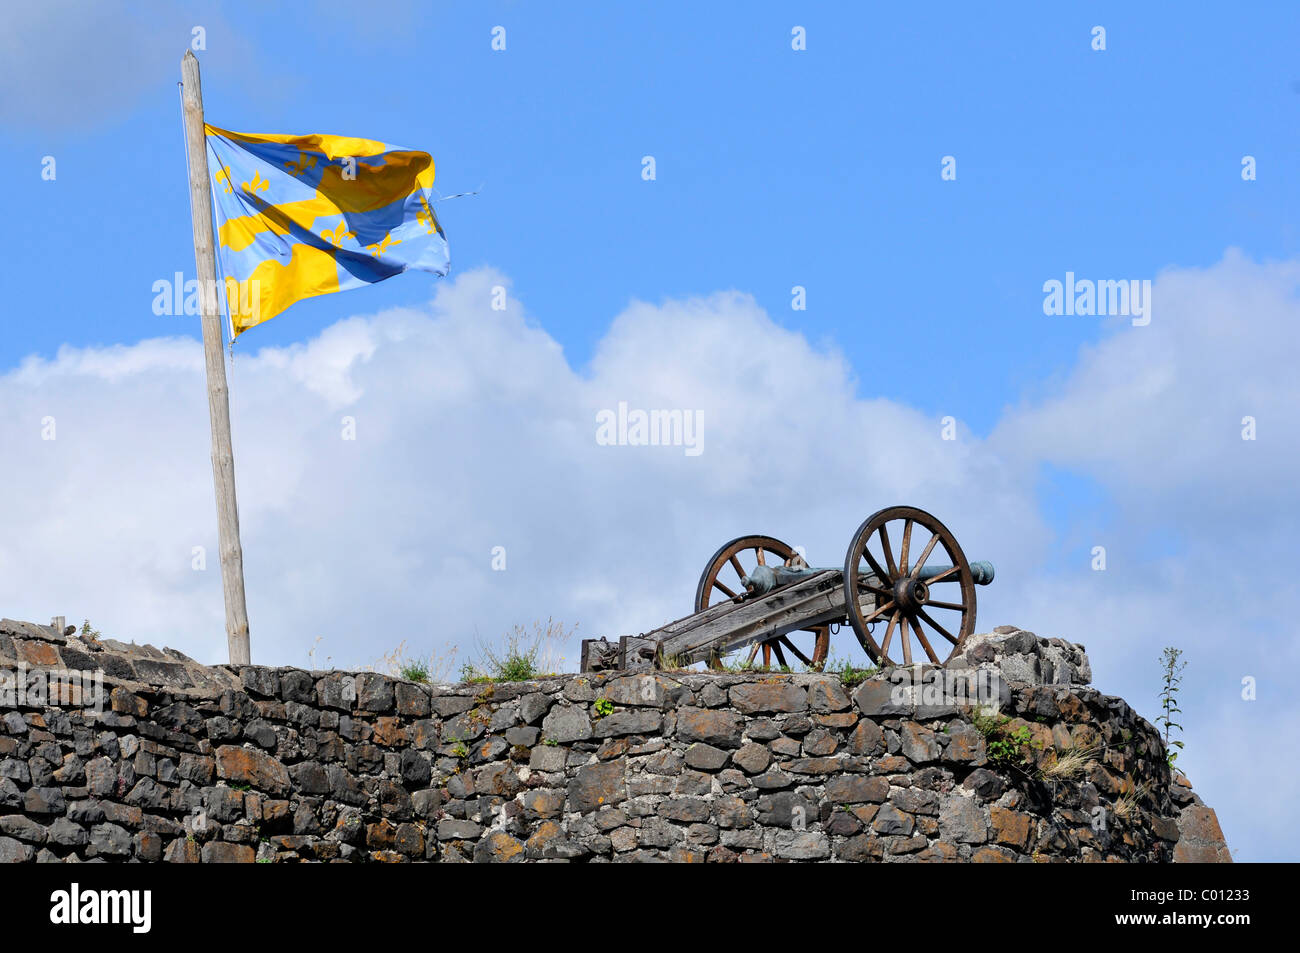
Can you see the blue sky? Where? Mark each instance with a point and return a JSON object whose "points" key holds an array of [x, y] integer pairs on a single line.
{"points": [[774, 168]]}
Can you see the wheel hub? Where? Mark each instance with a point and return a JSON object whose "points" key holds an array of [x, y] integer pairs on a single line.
{"points": [[910, 594]]}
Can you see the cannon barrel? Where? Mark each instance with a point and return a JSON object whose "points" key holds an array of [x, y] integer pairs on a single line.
{"points": [[763, 579], [981, 572]]}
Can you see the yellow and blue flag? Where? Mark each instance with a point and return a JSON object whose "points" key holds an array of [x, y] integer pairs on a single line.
{"points": [[299, 216]]}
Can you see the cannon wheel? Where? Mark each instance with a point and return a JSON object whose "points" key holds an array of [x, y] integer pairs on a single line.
{"points": [[720, 582], [883, 561]]}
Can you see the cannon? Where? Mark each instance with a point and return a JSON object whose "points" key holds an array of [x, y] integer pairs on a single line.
{"points": [[903, 572]]}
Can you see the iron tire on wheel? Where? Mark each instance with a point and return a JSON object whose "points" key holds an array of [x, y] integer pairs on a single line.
{"points": [[905, 602], [727, 562]]}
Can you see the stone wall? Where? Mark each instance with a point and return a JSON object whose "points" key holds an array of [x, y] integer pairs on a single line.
{"points": [[193, 763]]}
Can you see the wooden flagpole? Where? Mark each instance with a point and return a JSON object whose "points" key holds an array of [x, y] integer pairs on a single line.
{"points": [[223, 458]]}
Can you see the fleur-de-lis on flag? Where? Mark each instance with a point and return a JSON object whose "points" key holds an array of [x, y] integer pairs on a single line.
{"points": [[258, 184], [303, 163], [426, 217], [380, 247], [223, 175], [336, 235]]}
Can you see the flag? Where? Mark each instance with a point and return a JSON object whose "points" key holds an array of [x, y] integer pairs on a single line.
{"points": [[300, 216]]}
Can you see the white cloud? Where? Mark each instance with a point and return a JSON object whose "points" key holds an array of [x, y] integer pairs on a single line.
{"points": [[1156, 410], [473, 431]]}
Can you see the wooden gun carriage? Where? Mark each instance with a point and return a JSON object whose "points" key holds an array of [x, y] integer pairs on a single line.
{"points": [[903, 572]]}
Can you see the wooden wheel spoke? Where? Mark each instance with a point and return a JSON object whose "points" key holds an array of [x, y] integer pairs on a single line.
{"points": [[753, 651], [759, 551], [719, 585], [907, 541], [785, 640], [943, 576], [929, 547], [884, 608], [889, 556], [907, 643], [735, 564], [876, 590], [925, 643], [936, 626], [875, 566], [889, 634]]}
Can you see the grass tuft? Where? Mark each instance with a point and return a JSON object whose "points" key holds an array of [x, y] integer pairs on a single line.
{"points": [[1070, 763], [521, 655]]}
